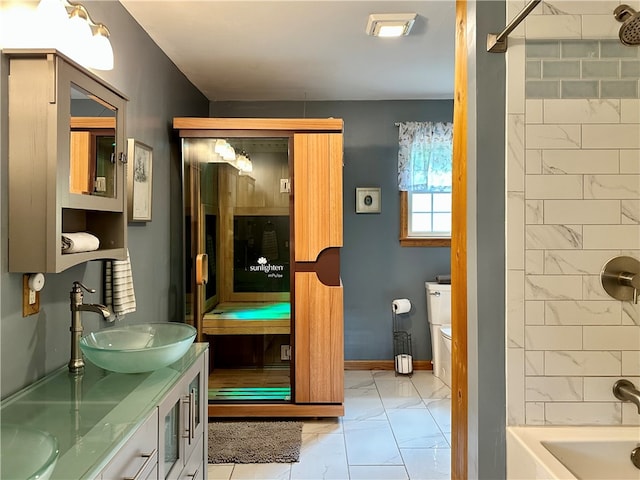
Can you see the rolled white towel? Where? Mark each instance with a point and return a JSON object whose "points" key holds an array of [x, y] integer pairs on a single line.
{"points": [[79, 242]]}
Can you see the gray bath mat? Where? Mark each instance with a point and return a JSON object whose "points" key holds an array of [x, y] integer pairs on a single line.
{"points": [[254, 442]]}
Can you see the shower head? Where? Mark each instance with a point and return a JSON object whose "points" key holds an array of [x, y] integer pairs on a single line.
{"points": [[630, 29]]}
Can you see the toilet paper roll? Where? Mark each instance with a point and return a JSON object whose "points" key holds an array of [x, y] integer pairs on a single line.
{"points": [[401, 305], [404, 363]]}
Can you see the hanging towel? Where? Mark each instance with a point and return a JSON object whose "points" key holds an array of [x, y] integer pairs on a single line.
{"points": [[79, 242], [119, 296]]}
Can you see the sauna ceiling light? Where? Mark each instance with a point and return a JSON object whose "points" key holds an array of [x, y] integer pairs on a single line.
{"points": [[390, 24]]}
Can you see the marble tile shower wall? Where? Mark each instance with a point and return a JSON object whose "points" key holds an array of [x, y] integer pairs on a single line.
{"points": [[573, 202]]}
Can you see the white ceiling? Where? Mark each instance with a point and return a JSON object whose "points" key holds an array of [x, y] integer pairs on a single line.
{"points": [[303, 49]]}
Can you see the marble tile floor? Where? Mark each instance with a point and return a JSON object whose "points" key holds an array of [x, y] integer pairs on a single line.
{"points": [[394, 428]]}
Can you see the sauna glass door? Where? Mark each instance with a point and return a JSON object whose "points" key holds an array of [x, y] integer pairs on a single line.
{"points": [[238, 232]]}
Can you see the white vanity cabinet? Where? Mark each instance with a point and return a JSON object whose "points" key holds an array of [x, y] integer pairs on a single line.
{"points": [[182, 418], [138, 458], [66, 162], [116, 426], [171, 443]]}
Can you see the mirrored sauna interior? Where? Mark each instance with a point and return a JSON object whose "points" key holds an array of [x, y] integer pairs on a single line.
{"points": [[238, 212]]}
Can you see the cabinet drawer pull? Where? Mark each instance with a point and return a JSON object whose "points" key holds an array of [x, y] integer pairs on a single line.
{"points": [[186, 400], [190, 429], [192, 415], [150, 458], [195, 474]]}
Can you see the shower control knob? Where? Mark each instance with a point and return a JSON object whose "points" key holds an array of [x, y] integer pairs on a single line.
{"points": [[620, 278]]}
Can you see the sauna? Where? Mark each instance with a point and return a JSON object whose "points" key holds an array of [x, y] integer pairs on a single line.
{"points": [[263, 231]]}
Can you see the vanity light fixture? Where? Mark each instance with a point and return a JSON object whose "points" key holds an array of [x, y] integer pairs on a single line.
{"points": [[390, 24], [243, 163], [69, 28], [223, 152], [223, 149]]}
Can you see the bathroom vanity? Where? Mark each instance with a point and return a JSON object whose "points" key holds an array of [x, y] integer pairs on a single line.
{"points": [[111, 425], [66, 162]]}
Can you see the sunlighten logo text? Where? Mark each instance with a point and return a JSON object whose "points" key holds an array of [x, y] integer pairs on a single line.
{"points": [[266, 268]]}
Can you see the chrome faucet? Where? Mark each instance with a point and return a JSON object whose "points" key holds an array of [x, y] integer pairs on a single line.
{"points": [[627, 392], [76, 364]]}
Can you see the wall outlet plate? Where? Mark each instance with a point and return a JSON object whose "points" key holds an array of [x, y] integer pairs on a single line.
{"points": [[368, 200], [285, 352], [30, 298]]}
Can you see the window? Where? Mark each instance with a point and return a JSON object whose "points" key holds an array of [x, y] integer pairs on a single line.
{"points": [[430, 214], [424, 180]]}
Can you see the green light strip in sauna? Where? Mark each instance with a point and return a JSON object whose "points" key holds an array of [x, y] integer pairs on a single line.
{"points": [[251, 393]]}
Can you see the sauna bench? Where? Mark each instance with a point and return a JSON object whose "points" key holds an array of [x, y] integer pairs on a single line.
{"points": [[95, 415], [248, 318]]}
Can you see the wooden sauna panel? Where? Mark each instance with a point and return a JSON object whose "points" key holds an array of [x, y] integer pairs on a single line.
{"points": [[282, 410], [80, 146], [291, 124], [319, 350], [317, 160]]}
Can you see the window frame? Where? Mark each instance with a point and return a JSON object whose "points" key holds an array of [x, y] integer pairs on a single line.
{"points": [[411, 241]]}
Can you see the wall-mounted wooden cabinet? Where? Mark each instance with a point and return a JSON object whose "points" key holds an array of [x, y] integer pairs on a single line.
{"points": [[66, 162]]}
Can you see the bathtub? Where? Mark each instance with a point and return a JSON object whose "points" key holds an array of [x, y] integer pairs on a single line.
{"points": [[584, 453]]}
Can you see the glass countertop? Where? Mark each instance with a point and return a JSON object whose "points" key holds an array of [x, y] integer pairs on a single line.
{"points": [[93, 414]]}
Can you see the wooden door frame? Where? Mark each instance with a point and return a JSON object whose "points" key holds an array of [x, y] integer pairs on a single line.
{"points": [[459, 390]]}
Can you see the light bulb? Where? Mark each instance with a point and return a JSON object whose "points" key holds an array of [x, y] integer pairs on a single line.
{"points": [[51, 20], [220, 146], [240, 162], [229, 154], [79, 36], [19, 27], [391, 30], [102, 52]]}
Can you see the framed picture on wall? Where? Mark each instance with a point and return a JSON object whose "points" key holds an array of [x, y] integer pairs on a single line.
{"points": [[367, 200], [139, 181]]}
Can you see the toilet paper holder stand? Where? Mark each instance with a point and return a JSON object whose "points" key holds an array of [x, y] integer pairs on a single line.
{"points": [[402, 354]]}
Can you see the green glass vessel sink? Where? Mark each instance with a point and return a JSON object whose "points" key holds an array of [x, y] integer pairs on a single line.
{"points": [[138, 348], [27, 453]]}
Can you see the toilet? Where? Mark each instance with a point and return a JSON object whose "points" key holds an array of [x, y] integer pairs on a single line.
{"points": [[439, 318], [445, 355]]}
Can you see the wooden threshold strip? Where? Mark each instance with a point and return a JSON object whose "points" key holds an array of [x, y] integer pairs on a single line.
{"points": [[383, 365]]}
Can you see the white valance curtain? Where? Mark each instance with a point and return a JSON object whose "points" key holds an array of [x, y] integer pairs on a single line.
{"points": [[425, 156]]}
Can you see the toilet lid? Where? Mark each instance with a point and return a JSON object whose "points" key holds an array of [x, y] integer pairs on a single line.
{"points": [[446, 331]]}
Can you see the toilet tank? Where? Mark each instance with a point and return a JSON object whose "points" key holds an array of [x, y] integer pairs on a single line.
{"points": [[438, 303]]}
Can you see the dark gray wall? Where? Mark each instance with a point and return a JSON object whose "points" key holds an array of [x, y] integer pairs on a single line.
{"points": [[374, 268], [486, 175], [157, 91]]}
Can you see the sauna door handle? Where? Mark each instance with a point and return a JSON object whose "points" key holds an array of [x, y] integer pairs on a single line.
{"points": [[202, 269]]}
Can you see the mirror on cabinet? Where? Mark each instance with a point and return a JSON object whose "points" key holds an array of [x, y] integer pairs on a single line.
{"points": [[92, 144]]}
